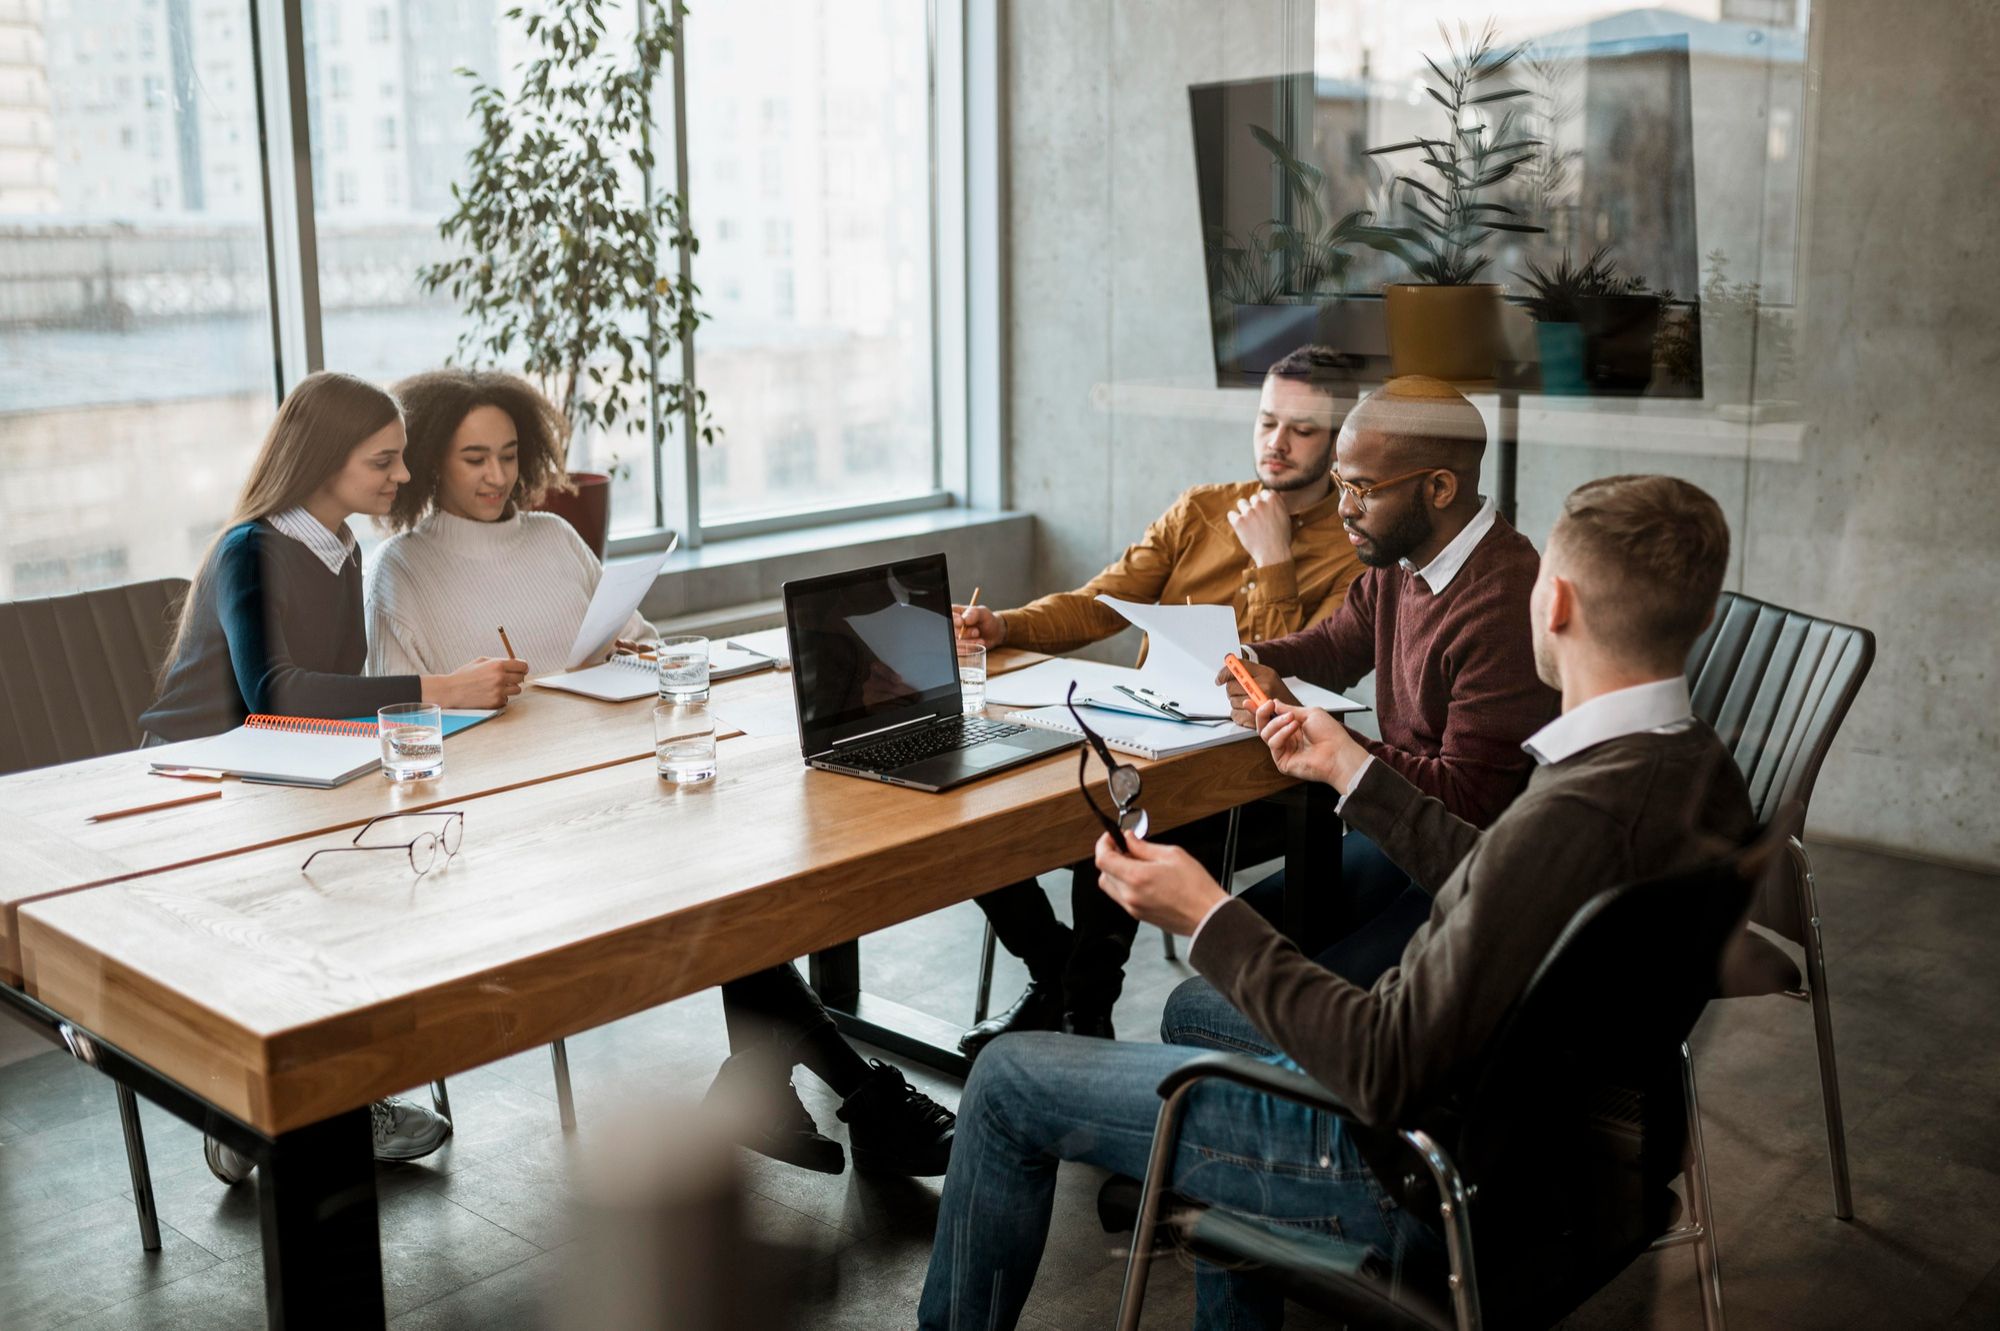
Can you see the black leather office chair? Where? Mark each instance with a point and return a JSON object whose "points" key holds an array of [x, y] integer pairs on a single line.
{"points": [[76, 671], [1555, 1170], [1775, 684]]}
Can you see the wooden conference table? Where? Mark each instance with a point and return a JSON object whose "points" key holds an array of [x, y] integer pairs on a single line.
{"points": [[185, 954]]}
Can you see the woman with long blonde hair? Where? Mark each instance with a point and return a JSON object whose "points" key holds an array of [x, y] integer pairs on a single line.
{"points": [[274, 622]]}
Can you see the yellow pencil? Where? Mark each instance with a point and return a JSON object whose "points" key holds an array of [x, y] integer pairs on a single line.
{"points": [[508, 645], [975, 599]]}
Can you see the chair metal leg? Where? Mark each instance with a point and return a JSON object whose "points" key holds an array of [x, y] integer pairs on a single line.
{"points": [[1167, 944], [1159, 1166], [1708, 1264], [1829, 1076], [983, 999], [142, 1176], [441, 1098], [1455, 1209], [1229, 849], [565, 1103]]}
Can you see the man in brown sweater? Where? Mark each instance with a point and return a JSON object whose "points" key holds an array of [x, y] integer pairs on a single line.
{"points": [[1628, 784], [1273, 549]]}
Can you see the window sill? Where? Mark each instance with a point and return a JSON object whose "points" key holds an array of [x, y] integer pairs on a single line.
{"points": [[734, 585]]}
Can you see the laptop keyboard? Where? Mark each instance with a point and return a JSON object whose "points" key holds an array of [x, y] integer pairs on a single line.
{"points": [[947, 737]]}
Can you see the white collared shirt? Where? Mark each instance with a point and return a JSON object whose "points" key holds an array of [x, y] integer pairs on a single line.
{"points": [[1437, 574], [1655, 708], [333, 551]]}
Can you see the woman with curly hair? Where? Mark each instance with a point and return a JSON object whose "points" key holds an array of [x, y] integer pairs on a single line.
{"points": [[469, 554]]}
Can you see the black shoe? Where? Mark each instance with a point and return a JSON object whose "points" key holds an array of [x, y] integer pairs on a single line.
{"points": [[895, 1128], [1039, 1008], [765, 1115], [1081, 1023]]}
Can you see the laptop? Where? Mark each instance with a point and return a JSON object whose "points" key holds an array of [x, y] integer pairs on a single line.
{"points": [[875, 677]]}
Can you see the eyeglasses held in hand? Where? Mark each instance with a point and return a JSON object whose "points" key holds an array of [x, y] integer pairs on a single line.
{"points": [[1122, 781], [422, 848]]}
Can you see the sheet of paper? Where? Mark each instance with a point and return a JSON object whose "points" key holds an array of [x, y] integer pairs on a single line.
{"points": [[1185, 645], [619, 592], [1045, 683], [1312, 695], [766, 642], [770, 715]]}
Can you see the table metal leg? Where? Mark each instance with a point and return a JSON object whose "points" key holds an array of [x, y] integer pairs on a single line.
{"points": [[322, 1248], [1507, 452], [917, 1036]]}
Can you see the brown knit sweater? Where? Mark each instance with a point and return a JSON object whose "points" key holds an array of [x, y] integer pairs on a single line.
{"points": [[1455, 684], [1629, 808]]}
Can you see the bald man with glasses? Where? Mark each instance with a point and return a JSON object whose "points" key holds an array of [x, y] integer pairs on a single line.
{"points": [[1440, 619]]}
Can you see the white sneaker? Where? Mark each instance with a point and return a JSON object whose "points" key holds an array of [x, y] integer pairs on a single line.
{"points": [[405, 1131], [226, 1162]]}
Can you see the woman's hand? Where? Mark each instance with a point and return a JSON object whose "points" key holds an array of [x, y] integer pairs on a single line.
{"points": [[480, 685]]}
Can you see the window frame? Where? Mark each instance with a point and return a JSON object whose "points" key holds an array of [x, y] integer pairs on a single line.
{"points": [[966, 192]]}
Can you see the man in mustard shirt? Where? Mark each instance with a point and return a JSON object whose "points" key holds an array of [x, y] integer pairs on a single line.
{"points": [[1274, 550]]}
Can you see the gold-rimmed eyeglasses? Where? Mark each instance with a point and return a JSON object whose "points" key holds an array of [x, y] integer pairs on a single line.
{"points": [[422, 848], [1360, 494]]}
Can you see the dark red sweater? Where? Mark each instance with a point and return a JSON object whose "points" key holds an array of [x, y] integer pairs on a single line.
{"points": [[1455, 684]]}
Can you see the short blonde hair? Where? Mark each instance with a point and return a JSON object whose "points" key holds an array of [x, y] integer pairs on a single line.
{"points": [[1648, 554]]}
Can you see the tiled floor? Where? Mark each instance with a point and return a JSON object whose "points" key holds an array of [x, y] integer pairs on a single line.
{"points": [[480, 1234]]}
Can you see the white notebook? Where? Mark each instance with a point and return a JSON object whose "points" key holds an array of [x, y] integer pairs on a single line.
{"points": [[621, 679], [1136, 734], [282, 750]]}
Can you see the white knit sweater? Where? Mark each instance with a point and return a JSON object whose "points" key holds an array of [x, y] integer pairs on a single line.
{"points": [[438, 593]]}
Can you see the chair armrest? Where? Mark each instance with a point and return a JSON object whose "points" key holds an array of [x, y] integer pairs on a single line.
{"points": [[1257, 1075]]}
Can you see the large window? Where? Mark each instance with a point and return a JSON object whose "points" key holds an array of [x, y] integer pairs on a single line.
{"points": [[810, 187], [140, 357], [135, 329]]}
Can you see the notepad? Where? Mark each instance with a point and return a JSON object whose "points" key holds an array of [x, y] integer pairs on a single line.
{"points": [[282, 750], [451, 719], [766, 642], [1136, 734], [621, 679]]}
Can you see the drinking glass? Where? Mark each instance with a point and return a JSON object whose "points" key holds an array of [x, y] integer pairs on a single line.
{"points": [[412, 741], [972, 676], [684, 669], [684, 743]]}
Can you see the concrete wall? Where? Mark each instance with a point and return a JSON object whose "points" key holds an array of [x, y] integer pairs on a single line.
{"points": [[1872, 501]]}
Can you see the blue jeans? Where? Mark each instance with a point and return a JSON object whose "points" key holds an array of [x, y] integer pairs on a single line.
{"points": [[1034, 1100]]}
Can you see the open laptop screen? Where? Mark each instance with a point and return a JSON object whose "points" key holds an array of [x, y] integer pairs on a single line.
{"points": [[871, 648]]}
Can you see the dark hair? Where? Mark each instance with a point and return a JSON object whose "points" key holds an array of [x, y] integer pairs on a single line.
{"points": [[437, 402], [1319, 366], [1648, 555]]}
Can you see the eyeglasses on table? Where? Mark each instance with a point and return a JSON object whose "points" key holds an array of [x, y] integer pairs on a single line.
{"points": [[422, 849]]}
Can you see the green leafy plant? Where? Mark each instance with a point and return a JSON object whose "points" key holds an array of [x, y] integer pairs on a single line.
{"points": [[1292, 261], [1454, 217], [567, 263], [1558, 288]]}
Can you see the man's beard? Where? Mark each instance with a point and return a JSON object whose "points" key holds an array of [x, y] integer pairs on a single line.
{"points": [[1411, 530], [1299, 481]]}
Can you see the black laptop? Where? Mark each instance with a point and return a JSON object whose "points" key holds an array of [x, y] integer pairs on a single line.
{"points": [[875, 675]]}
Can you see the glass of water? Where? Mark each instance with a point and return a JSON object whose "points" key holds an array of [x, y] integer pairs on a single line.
{"points": [[684, 669], [684, 743], [412, 741], [972, 676]]}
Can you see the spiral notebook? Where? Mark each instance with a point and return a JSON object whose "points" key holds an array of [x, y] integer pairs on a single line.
{"points": [[621, 679], [282, 750], [1137, 734]]}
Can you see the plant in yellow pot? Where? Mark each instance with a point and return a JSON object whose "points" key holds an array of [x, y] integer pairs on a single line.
{"points": [[1447, 322]]}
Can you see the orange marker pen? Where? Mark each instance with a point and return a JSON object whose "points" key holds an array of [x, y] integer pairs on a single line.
{"points": [[1236, 668]]}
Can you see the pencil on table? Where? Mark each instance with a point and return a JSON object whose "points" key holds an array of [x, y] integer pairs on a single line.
{"points": [[153, 808], [508, 645]]}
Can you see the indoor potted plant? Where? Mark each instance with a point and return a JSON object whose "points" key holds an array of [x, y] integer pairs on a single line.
{"points": [[1594, 328], [1447, 322], [568, 264]]}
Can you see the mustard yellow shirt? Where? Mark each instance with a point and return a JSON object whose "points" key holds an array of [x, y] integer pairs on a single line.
{"points": [[1191, 553]]}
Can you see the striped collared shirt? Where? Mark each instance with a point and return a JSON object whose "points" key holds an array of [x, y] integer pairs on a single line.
{"points": [[333, 551]]}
